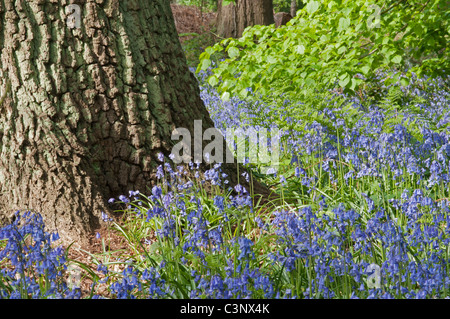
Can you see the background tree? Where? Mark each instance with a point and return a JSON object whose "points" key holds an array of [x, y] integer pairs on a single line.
{"points": [[88, 108], [286, 5], [233, 18], [293, 8]]}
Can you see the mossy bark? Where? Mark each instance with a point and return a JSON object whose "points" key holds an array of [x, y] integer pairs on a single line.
{"points": [[234, 18], [88, 108]]}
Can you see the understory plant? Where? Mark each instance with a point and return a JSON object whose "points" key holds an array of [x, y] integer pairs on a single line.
{"points": [[363, 213]]}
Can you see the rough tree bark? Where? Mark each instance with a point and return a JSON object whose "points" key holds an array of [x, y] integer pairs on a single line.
{"points": [[88, 108], [234, 18]]}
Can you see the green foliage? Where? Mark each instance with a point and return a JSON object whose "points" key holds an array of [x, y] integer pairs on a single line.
{"points": [[334, 42], [209, 4], [194, 44], [313, 105], [285, 5], [400, 107]]}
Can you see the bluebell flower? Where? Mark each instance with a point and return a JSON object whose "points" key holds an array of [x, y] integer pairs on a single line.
{"points": [[106, 218], [124, 199], [219, 203], [159, 172], [157, 191], [245, 247]]}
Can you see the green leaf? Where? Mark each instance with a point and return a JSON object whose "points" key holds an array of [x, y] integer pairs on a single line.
{"points": [[404, 81], [300, 49], [280, 60], [233, 52], [310, 82], [418, 29], [344, 23], [344, 80], [213, 81], [355, 83], [365, 69], [227, 2], [312, 6], [395, 78], [397, 59], [243, 93], [225, 96], [324, 38], [343, 76], [210, 50], [342, 49], [206, 63]]}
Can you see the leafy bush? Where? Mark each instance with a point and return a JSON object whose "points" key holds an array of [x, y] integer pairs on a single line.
{"points": [[334, 42], [285, 5]]}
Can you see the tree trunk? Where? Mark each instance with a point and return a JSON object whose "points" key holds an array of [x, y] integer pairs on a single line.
{"points": [[293, 8], [234, 18], [226, 20], [88, 108]]}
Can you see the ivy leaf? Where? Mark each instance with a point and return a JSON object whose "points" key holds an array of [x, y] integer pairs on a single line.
{"points": [[418, 29]]}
